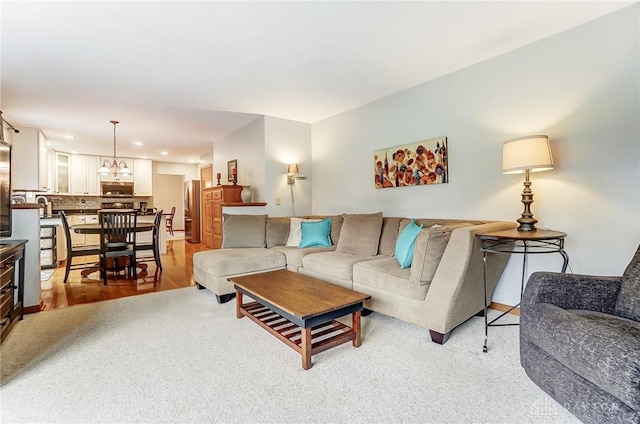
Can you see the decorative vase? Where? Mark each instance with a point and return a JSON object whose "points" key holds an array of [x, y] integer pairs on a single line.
{"points": [[245, 194]]}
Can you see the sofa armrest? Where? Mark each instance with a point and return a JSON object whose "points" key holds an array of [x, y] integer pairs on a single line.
{"points": [[572, 291], [456, 292]]}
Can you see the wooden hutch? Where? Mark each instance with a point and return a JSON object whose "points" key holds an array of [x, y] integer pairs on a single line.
{"points": [[214, 199]]}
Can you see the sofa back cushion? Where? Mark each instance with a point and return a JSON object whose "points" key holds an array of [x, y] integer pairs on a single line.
{"points": [[360, 234], [277, 231], [430, 245], [388, 236], [336, 228], [243, 230], [628, 304]]}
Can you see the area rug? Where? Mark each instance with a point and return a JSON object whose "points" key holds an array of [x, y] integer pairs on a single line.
{"points": [[178, 356]]}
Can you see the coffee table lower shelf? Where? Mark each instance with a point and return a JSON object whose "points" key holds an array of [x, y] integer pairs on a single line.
{"points": [[307, 341]]}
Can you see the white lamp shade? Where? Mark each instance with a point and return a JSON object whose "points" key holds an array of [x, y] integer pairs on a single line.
{"points": [[531, 152]]}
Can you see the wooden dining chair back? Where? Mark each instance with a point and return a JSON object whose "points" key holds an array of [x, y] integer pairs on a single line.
{"points": [[75, 251], [117, 240], [170, 220], [154, 245]]}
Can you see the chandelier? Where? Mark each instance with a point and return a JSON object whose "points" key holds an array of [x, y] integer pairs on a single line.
{"points": [[115, 168]]}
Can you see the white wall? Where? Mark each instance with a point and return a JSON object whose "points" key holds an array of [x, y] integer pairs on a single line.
{"points": [[25, 225], [287, 142], [190, 171], [580, 87], [263, 149], [168, 188]]}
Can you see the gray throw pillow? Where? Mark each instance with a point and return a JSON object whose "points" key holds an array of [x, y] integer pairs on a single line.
{"points": [[628, 304], [360, 234], [389, 236], [277, 231], [243, 230]]}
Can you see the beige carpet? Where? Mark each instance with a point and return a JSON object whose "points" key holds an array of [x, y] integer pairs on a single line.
{"points": [[180, 357]]}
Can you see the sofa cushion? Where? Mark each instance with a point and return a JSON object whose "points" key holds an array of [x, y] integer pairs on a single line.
{"points": [[578, 339], [316, 234], [294, 255], [232, 261], [388, 236], [385, 274], [334, 264], [429, 248], [295, 230], [336, 228], [243, 230], [277, 231], [360, 234], [628, 303], [406, 244]]}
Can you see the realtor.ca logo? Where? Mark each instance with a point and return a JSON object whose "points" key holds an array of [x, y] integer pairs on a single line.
{"points": [[545, 409]]}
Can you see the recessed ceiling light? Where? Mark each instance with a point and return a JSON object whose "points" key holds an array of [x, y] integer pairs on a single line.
{"points": [[68, 136], [145, 157], [137, 143], [164, 153], [191, 160]]}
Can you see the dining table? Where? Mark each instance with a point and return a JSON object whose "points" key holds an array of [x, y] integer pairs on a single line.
{"points": [[97, 229]]}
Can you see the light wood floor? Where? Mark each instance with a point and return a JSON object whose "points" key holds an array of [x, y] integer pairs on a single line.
{"points": [[177, 272]]}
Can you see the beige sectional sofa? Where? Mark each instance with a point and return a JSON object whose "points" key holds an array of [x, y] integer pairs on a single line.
{"points": [[441, 289]]}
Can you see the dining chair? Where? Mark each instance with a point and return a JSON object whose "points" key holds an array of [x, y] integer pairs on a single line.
{"points": [[154, 245], [117, 240], [75, 251], [170, 220]]}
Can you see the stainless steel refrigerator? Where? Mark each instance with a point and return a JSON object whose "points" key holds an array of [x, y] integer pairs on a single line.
{"points": [[192, 211]]}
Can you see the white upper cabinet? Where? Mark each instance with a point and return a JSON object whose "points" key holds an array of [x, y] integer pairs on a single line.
{"points": [[62, 173], [85, 179], [29, 148], [142, 177]]}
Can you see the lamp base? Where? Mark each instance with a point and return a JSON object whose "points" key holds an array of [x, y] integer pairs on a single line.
{"points": [[527, 221], [527, 224]]}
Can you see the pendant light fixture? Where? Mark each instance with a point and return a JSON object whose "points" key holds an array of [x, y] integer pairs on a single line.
{"points": [[115, 168]]}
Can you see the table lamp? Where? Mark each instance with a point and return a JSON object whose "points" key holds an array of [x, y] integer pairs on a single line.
{"points": [[527, 154]]}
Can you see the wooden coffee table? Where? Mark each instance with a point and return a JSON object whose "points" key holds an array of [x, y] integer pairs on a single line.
{"points": [[300, 310]]}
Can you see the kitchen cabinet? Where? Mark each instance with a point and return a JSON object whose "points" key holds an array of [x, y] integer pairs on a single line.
{"points": [[142, 177], [85, 179], [12, 266], [62, 165], [29, 147], [123, 178], [219, 195], [83, 239], [207, 217]]}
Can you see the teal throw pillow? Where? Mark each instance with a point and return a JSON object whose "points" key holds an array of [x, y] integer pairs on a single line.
{"points": [[316, 234], [406, 243]]}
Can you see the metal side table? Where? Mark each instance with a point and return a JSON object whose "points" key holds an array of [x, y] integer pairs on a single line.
{"points": [[521, 242]]}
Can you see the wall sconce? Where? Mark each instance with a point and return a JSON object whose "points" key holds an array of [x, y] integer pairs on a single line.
{"points": [[526, 154], [292, 174]]}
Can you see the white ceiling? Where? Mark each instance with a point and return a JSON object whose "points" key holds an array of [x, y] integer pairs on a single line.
{"points": [[179, 75]]}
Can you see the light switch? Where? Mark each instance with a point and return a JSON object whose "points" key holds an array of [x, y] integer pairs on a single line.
{"points": [[277, 200]]}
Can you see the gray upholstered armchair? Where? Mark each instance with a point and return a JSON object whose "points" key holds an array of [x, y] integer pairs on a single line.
{"points": [[580, 342]]}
